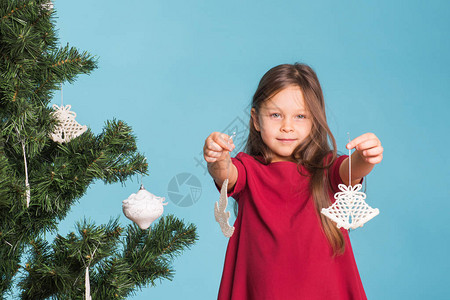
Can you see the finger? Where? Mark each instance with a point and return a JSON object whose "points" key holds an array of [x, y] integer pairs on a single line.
{"points": [[230, 142], [223, 142], [210, 159], [213, 154], [373, 151], [367, 144], [375, 160], [366, 136], [214, 146]]}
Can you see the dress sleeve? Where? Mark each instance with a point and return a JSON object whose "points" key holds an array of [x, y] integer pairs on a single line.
{"points": [[335, 178], [238, 161]]}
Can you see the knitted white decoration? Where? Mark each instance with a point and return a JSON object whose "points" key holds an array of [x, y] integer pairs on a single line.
{"points": [[219, 211], [350, 210], [143, 208], [68, 128]]}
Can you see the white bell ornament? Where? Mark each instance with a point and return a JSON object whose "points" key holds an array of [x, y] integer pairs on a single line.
{"points": [[67, 128], [349, 209]]}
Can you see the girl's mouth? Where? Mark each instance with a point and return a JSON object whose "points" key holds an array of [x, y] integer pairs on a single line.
{"points": [[286, 140]]}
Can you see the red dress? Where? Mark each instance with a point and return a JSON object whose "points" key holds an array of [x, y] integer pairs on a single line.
{"points": [[278, 250]]}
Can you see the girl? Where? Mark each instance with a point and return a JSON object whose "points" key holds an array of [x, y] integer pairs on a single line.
{"points": [[283, 248]]}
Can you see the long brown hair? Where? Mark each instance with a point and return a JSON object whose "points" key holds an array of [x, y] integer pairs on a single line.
{"points": [[314, 153]]}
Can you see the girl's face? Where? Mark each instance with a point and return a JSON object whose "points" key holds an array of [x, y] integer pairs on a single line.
{"points": [[284, 122]]}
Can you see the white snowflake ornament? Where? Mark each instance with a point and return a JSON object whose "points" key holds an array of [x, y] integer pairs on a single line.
{"points": [[67, 128], [350, 210], [143, 208], [220, 214]]}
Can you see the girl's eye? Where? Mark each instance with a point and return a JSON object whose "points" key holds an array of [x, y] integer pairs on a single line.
{"points": [[301, 116], [275, 115]]}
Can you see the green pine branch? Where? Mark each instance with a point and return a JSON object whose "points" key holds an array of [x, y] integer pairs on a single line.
{"points": [[58, 270], [32, 67]]}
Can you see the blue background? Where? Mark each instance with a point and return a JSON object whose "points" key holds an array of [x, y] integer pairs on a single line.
{"points": [[178, 70]]}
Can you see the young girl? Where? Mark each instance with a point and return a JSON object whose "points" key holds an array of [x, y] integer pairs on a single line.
{"points": [[283, 248]]}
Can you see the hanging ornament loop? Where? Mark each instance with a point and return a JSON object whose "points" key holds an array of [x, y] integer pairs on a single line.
{"points": [[349, 162], [27, 184], [87, 283]]}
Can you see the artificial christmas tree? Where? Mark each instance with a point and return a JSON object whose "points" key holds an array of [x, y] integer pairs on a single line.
{"points": [[40, 178]]}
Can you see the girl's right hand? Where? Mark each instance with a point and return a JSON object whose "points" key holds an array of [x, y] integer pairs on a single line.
{"points": [[217, 146]]}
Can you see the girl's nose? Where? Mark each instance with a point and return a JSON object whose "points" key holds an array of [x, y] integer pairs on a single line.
{"points": [[287, 126]]}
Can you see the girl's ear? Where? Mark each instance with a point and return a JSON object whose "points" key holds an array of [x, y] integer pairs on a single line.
{"points": [[255, 119]]}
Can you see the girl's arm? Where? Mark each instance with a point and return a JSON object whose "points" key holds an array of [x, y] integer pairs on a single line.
{"points": [[216, 152], [369, 152]]}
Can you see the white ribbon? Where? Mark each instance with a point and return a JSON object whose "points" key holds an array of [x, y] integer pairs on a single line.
{"points": [[87, 285]]}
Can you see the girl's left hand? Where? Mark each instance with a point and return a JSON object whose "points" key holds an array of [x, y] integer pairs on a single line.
{"points": [[368, 147]]}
